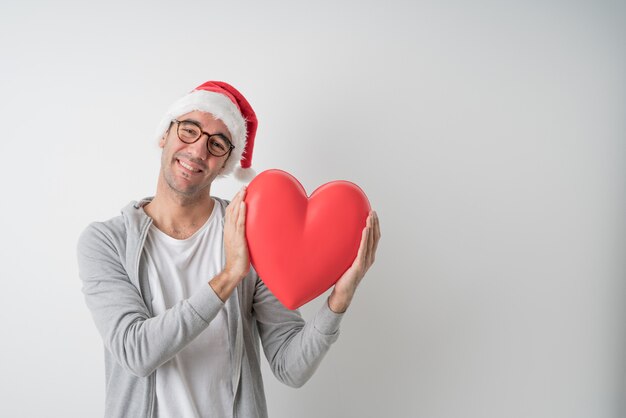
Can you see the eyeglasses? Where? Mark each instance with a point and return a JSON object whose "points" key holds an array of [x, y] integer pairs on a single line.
{"points": [[189, 132]]}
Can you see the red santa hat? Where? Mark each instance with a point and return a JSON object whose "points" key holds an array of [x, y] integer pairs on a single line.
{"points": [[225, 103]]}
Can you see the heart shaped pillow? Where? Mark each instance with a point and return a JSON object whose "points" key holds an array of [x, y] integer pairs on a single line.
{"points": [[300, 246]]}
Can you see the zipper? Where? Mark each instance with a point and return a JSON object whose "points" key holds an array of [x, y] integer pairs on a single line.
{"points": [[152, 377], [235, 299]]}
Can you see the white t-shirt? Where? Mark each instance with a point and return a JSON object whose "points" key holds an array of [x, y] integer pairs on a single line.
{"points": [[197, 381]]}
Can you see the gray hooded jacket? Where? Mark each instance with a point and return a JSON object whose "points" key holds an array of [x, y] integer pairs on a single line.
{"points": [[136, 342]]}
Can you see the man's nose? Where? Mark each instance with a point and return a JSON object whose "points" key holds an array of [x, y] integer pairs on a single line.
{"points": [[199, 148]]}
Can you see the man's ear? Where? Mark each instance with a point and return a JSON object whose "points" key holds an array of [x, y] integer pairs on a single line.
{"points": [[162, 140], [225, 161]]}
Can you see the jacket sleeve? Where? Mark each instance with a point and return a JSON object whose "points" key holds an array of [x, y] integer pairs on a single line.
{"points": [[294, 348], [139, 342]]}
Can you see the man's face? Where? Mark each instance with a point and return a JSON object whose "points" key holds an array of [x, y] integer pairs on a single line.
{"points": [[189, 169]]}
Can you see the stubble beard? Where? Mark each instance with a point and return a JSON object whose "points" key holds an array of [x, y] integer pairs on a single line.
{"points": [[189, 193]]}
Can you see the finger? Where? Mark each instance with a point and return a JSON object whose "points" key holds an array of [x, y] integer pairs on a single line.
{"points": [[238, 197], [376, 232], [241, 220], [369, 223], [360, 256], [242, 193], [231, 206], [236, 204], [370, 246]]}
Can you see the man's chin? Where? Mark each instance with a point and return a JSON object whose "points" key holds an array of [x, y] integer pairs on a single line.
{"points": [[187, 190]]}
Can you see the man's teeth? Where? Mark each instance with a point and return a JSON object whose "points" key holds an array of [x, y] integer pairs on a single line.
{"points": [[188, 167]]}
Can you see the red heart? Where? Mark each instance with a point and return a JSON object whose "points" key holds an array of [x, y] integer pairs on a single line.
{"points": [[301, 246]]}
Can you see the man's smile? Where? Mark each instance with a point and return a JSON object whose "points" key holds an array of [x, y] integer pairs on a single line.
{"points": [[189, 166]]}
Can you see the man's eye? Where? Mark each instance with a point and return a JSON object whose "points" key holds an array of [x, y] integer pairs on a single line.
{"points": [[218, 145]]}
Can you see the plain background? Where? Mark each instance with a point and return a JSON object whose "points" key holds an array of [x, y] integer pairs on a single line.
{"points": [[488, 135]]}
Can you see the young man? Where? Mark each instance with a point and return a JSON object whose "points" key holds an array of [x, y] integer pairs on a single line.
{"points": [[171, 290]]}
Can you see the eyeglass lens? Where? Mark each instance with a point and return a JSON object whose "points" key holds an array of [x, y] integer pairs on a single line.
{"points": [[189, 133]]}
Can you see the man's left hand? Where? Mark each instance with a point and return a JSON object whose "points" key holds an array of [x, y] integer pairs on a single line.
{"points": [[344, 289]]}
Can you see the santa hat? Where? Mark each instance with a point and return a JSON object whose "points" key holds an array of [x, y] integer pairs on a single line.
{"points": [[225, 103]]}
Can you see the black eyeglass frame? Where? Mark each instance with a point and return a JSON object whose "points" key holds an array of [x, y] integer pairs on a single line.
{"points": [[208, 147]]}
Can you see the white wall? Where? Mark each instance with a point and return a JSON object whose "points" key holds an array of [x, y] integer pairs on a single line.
{"points": [[499, 288]]}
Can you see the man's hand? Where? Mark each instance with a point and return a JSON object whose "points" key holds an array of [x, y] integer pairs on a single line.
{"points": [[235, 246], [344, 289]]}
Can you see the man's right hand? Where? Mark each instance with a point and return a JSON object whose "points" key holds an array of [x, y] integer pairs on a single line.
{"points": [[235, 246]]}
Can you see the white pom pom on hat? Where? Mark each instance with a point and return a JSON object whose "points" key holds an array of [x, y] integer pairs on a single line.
{"points": [[227, 104]]}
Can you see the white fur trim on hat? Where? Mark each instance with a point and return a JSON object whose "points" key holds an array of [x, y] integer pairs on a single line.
{"points": [[245, 175], [222, 108]]}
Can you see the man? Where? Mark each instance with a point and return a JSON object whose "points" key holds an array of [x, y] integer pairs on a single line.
{"points": [[171, 290]]}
